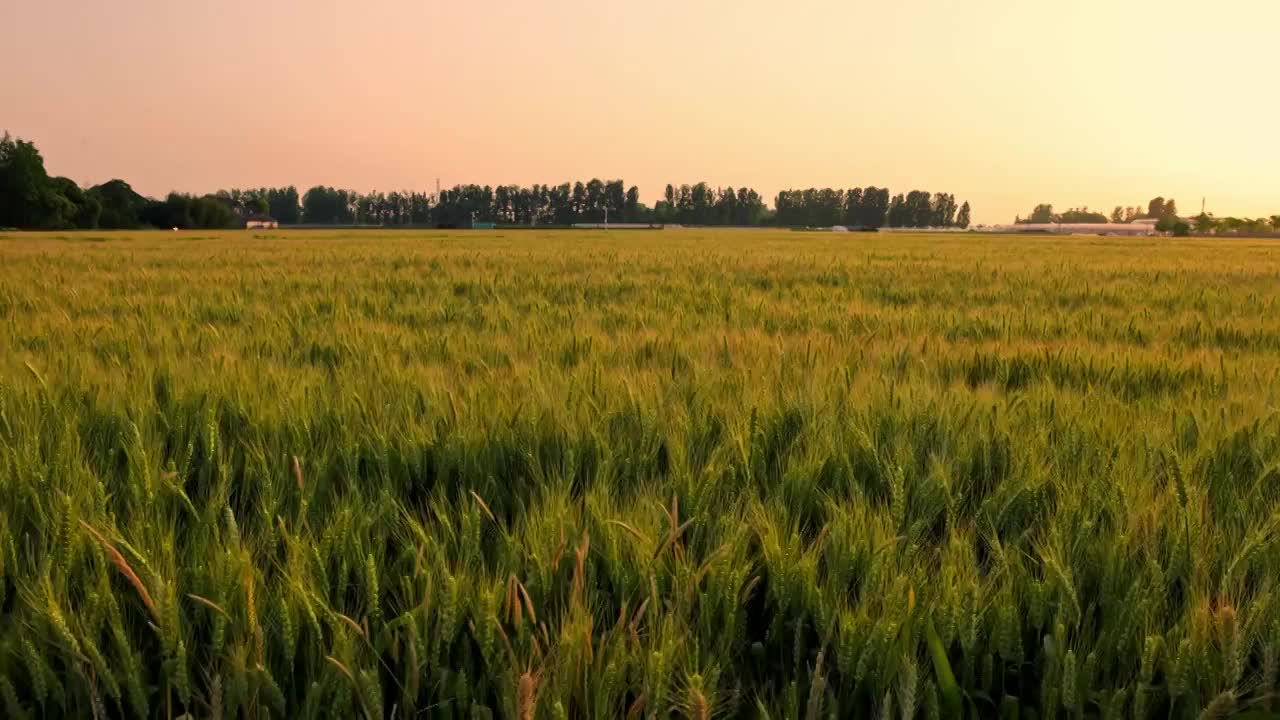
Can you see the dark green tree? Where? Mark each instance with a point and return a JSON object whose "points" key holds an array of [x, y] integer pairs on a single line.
{"points": [[1080, 215], [899, 215], [283, 205], [85, 207], [875, 203], [1155, 208], [853, 207], [1159, 208], [631, 206], [579, 202], [28, 197], [121, 206], [328, 206], [1042, 214], [614, 200], [919, 209]]}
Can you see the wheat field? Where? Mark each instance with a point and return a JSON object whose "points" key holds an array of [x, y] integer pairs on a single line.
{"points": [[719, 473]]}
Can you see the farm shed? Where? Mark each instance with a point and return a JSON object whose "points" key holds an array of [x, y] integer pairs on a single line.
{"points": [[261, 222]]}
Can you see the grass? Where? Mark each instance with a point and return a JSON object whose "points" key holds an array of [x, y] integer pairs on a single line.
{"points": [[645, 475]]}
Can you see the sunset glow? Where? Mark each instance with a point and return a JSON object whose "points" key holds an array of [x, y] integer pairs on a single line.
{"points": [[1005, 103]]}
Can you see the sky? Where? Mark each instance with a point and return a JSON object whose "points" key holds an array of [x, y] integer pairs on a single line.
{"points": [[1004, 103]]}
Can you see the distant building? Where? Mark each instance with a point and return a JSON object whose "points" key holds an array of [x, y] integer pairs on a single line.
{"points": [[619, 226], [1152, 222], [1136, 228], [261, 222], [915, 230]]}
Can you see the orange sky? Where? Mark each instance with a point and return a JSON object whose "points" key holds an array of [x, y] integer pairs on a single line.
{"points": [[1005, 103]]}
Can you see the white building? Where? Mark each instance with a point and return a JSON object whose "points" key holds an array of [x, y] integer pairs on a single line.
{"points": [[260, 222], [1136, 228]]}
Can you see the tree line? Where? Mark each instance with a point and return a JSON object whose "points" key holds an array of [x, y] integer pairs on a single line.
{"points": [[598, 201], [594, 201], [31, 198], [870, 207], [1210, 225], [1164, 212], [1157, 209], [700, 204]]}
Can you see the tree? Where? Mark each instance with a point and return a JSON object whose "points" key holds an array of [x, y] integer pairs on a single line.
{"points": [[189, 212], [919, 209], [1041, 215], [875, 207], [702, 201], [21, 169], [962, 219], [595, 201], [899, 214], [327, 206], [944, 210], [1155, 208], [631, 206], [1181, 228], [1160, 208], [1117, 215], [1080, 215], [615, 200], [784, 208], [85, 207], [1229, 226], [853, 207], [726, 206], [830, 206], [664, 212], [1205, 223], [561, 204], [579, 201], [282, 204], [28, 197], [751, 207], [1275, 223], [504, 208], [121, 206]]}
